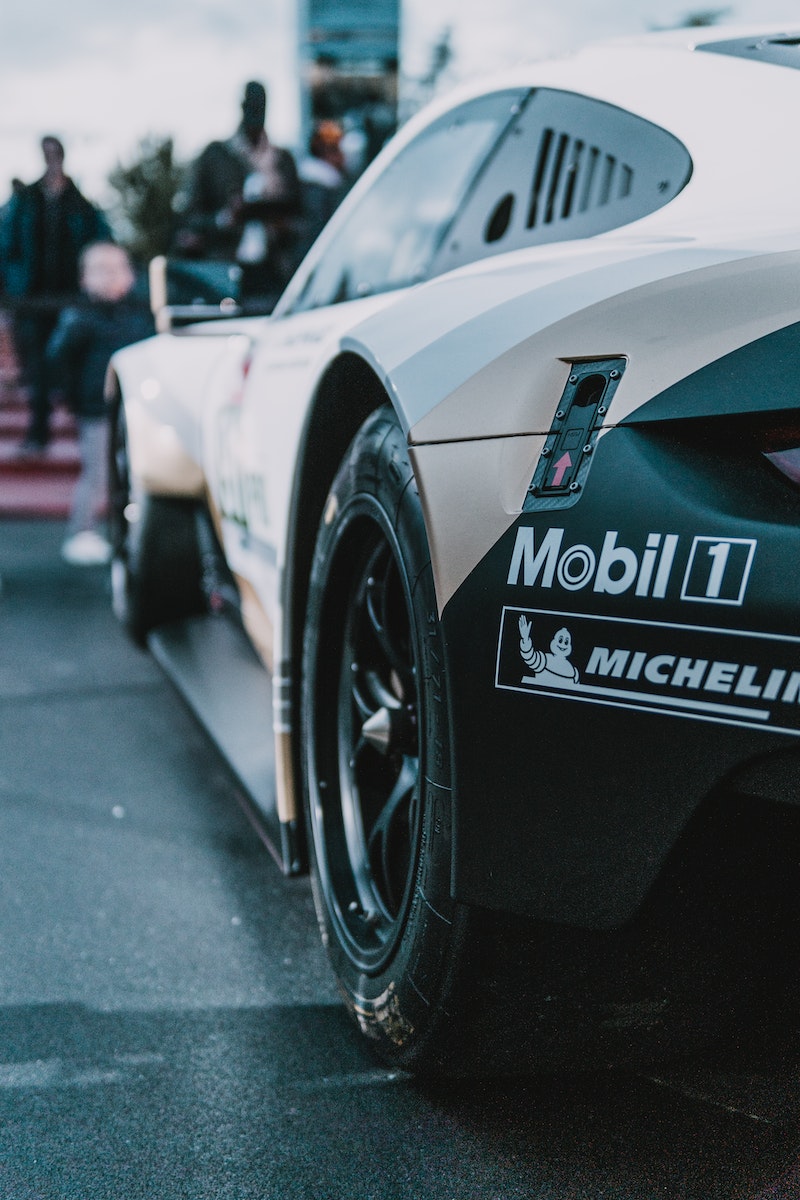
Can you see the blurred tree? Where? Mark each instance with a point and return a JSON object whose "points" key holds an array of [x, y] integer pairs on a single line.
{"points": [[147, 190], [442, 55], [419, 89], [706, 16], [697, 20]]}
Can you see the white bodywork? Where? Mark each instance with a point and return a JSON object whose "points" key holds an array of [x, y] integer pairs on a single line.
{"points": [[475, 361]]}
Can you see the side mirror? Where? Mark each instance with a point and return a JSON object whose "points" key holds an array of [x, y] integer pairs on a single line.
{"points": [[183, 291]]}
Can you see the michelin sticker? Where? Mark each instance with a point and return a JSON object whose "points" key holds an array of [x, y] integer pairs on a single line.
{"points": [[732, 677]]}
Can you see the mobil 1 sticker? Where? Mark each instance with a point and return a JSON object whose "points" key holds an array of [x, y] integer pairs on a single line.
{"points": [[716, 570], [735, 677]]}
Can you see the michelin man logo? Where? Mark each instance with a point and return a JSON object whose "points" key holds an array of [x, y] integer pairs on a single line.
{"points": [[551, 667]]}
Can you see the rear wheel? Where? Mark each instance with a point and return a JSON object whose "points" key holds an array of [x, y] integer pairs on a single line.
{"points": [[376, 739], [438, 987]]}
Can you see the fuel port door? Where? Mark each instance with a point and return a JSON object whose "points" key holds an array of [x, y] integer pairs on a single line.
{"points": [[566, 456]]}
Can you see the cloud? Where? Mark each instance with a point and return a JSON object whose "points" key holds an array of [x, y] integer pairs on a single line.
{"points": [[104, 75], [104, 84], [39, 33], [486, 36]]}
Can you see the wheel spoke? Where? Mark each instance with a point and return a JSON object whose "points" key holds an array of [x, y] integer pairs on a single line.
{"points": [[371, 693], [388, 844], [385, 618], [377, 672]]}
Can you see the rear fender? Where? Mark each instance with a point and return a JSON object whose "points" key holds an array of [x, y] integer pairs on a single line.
{"points": [[717, 341]]}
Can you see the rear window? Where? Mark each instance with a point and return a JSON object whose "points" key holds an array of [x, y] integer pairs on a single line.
{"points": [[568, 167], [392, 234]]}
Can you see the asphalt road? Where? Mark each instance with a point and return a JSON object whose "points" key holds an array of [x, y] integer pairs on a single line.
{"points": [[168, 1027]]}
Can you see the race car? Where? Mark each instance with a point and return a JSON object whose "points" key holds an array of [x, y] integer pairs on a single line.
{"points": [[479, 556]]}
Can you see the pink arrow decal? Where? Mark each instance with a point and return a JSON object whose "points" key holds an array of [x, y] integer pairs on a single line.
{"points": [[560, 469]]}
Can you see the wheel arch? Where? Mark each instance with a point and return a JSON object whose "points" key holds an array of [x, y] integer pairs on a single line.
{"points": [[347, 393]]}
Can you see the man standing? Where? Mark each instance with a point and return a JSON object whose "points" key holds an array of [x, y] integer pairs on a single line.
{"points": [[243, 203], [44, 229]]}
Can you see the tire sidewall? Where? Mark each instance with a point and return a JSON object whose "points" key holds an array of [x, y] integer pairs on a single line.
{"points": [[398, 1003]]}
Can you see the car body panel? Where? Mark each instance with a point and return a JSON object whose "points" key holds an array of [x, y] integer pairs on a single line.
{"points": [[677, 680], [668, 548], [163, 381], [708, 313]]}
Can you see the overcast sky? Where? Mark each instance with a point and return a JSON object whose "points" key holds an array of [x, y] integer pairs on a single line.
{"points": [[103, 74]]}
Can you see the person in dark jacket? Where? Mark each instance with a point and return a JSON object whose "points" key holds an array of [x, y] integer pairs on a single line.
{"points": [[45, 226], [87, 334], [323, 181], [243, 203]]}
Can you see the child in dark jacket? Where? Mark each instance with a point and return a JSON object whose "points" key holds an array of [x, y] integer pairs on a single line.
{"points": [[108, 318]]}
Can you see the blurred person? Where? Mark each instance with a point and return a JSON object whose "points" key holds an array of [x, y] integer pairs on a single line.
{"points": [[243, 203], [107, 317], [17, 186], [6, 331], [45, 226], [323, 180]]}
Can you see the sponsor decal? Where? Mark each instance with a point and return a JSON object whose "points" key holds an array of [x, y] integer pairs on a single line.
{"points": [[734, 677], [717, 569], [241, 494]]}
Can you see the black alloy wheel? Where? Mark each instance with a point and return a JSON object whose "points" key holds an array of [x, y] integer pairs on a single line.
{"points": [[377, 758], [369, 756]]}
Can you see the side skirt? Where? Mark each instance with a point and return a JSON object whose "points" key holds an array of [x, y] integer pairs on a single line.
{"points": [[218, 674]]}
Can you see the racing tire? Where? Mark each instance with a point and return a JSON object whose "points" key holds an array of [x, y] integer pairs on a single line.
{"points": [[437, 987], [377, 754], [155, 561]]}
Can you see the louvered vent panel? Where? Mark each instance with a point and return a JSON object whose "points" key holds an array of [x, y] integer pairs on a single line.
{"points": [[570, 177]]}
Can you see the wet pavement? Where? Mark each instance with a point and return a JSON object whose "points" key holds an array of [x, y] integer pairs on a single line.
{"points": [[168, 1024]]}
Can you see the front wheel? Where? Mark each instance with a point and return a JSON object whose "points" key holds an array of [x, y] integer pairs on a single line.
{"points": [[155, 560], [377, 770]]}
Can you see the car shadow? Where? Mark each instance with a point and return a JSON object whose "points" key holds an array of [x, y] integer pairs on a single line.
{"points": [[286, 1101]]}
